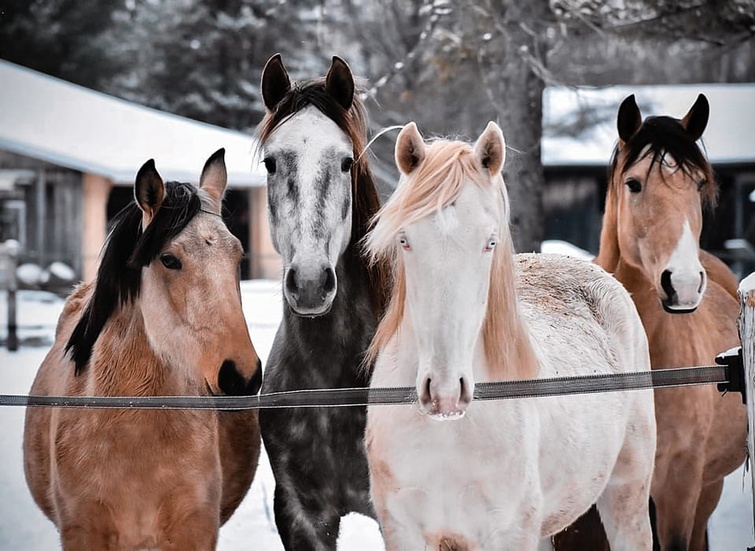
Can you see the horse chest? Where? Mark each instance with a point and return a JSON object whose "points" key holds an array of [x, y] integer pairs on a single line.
{"points": [[468, 474], [155, 468]]}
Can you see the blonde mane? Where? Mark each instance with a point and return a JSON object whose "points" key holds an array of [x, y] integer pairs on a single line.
{"points": [[436, 183]]}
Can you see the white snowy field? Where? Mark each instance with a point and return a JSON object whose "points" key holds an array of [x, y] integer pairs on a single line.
{"points": [[24, 528]]}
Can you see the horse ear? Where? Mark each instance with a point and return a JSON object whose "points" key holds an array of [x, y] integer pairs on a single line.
{"points": [[695, 121], [214, 178], [275, 82], [490, 149], [339, 82], [410, 149], [149, 191], [629, 120]]}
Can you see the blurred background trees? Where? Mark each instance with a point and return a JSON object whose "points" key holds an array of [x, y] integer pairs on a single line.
{"points": [[450, 66]]}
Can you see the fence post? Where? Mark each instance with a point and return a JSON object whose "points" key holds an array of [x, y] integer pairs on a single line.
{"points": [[747, 336]]}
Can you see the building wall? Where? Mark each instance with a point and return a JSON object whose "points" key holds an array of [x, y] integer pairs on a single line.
{"points": [[266, 262], [96, 190]]}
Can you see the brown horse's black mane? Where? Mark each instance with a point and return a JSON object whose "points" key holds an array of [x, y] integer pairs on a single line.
{"points": [[353, 122], [127, 250], [666, 136]]}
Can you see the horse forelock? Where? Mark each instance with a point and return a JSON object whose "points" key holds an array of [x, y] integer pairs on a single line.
{"points": [[660, 138], [127, 250], [437, 183]]}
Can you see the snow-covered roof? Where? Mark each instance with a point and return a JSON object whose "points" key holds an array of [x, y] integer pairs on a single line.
{"points": [[68, 125], [729, 137]]}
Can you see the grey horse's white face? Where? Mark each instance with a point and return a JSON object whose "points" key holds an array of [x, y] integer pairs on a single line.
{"points": [[309, 159]]}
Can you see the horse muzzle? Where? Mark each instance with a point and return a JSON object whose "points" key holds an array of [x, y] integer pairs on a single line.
{"points": [[310, 291], [445, 400], [682, 290]]}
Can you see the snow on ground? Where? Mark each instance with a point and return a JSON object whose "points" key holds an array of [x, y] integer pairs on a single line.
{"points": [[24, 528]]}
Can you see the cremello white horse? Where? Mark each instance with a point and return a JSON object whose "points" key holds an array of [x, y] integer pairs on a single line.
{"points": [[501, 475]]}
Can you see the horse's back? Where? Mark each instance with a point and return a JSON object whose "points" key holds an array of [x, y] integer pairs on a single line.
{"points": [[53, 378], [574, 303]]}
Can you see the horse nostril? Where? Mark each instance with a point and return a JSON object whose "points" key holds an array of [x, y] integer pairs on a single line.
{"points": [[291, 284], [233, 383], [668, 288], [425, 395], [466, 392], [330, 280], [702, 282]]}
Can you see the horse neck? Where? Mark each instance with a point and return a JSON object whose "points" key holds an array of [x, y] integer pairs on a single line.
{"points": [[335, 343], [507, 344], [123, 362], [609, 253]]}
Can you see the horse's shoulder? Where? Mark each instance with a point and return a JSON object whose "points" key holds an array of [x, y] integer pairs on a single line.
{"points": [[719, 273], [554, 284], [721, 304]]}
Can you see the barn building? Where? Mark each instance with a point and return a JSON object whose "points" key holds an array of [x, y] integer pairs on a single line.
{"points": [[69, 156]]}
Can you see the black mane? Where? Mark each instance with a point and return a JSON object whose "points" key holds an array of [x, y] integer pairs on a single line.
{"points": [[666, 136], [127, 250]]}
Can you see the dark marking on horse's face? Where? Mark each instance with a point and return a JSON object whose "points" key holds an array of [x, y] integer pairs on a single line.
{"points": [[292, 188]]}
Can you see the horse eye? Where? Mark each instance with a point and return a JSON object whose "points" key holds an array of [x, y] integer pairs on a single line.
{"points": [[269, 165], [170, 261], [701, 184], [634, 185], [404, 243], [492, 242], [346, 164]]}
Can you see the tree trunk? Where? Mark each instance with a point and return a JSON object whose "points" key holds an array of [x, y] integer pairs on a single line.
{"points": [[510, 63]]}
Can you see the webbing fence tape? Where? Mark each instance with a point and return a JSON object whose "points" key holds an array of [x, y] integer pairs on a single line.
{"points": [[349, 397]]}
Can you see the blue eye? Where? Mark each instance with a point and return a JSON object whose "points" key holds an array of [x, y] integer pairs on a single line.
{"points": [[490, 245], [404, 243]]}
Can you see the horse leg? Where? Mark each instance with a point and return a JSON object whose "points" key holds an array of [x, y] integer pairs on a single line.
{"points": [[623, 505], [77, 537], [86, 526], [585, 533], [405, 536], [305, 528], [706, 504], [193, 532], [676, 497], [624, 510]]}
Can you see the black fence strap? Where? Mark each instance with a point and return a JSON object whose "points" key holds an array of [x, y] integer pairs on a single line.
{"points": [[349, 397]]}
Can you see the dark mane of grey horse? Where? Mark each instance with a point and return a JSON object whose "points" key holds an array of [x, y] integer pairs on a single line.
{"points": [[666, 136], [127, 250]]}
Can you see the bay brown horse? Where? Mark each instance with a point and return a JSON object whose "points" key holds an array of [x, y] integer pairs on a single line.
{"points": [[162, 317], [659, 184]]}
